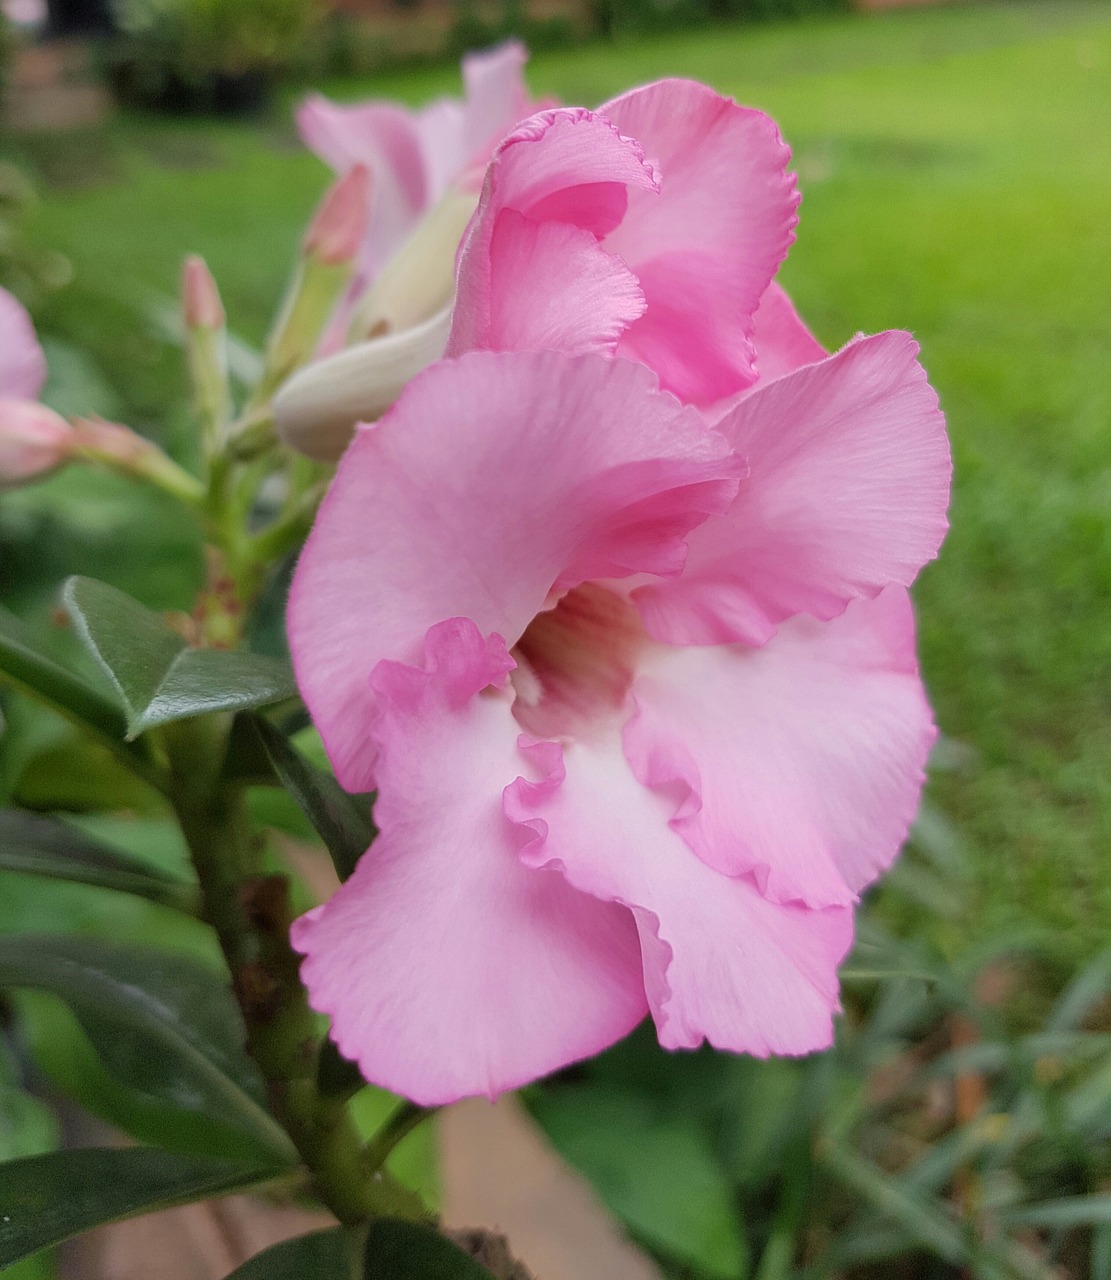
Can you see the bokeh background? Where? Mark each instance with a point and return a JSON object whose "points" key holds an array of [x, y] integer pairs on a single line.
{"points": [[955, 162]]}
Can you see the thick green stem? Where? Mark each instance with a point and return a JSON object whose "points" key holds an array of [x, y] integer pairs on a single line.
{"points": [[250, 912]]}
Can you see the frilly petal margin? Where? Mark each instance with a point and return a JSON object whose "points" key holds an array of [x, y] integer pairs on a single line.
{"points": [[493, 479], [449, 968], [561, 171], [707, 247], [721, 962], [800, 763], [846, 495]]}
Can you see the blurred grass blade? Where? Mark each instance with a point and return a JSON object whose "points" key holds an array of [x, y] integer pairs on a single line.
{"points": [[1083, 994], [160, 1022], [341, 820], [47, 1199], [41, 846], [321, 1255], [1058, 1215], [157, 676]]}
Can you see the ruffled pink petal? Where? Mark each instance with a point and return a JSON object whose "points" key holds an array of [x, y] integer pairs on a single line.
{"points": [[545, 279], [447, 966], [564, 167], [783, 343], [22, 363], [801, 762], [847, 493], [706, 248], [494, 479], [721, 962]]}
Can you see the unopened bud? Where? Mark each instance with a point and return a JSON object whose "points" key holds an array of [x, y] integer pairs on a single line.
{"points": [[200, 298], [419, 280], [339, 226], [317, 409], [33, 441]]}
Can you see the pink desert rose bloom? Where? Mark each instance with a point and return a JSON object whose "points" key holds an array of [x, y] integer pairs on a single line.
{"points": [[650, 229], [639, 696], [33, 438]]}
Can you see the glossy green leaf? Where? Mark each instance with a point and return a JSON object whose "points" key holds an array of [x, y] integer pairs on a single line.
{"points": [[47, 1199], [341, 820], [157, 676], [160, 1022], [44, 847], [398, 1250], [50, 683], [651, 1168], [322, 1255]]}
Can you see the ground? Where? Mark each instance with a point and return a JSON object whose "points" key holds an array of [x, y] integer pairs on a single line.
{"points": [[956, 170]]}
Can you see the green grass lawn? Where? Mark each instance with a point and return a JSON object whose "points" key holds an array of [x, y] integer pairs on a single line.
{"points": [[956, 165]]}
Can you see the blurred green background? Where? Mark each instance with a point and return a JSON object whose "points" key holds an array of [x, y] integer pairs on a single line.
{"points": [[956, 170]]}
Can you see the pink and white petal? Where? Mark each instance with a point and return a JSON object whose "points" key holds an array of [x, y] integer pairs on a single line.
{"points": [[22, 363], [721, 962], [563, 166], [544, 279], [494, 479], [847, 494], [706, 248], [449, 968], [783, 342], [800, 763]]}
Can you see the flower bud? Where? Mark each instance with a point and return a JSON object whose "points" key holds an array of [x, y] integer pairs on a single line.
{"points": [[419, 280], [33, 441], [338, 228], [317, 409], [200, 298]]}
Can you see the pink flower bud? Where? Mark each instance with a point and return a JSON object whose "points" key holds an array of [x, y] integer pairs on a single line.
{"points": [[339, 225], [199, 295], [33, 440]]}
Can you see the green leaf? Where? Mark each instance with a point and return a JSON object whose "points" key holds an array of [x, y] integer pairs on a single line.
{"points": [[158, 677], [341, 820], [60, 689], [322, 1255], [47, 1199], [651, 1167], [160, 1022], [398, 1250], [43, 847]]}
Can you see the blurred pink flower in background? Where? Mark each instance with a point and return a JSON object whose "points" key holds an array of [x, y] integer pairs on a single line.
{"points": [[415, 156], [636, 683], [33, 438]]}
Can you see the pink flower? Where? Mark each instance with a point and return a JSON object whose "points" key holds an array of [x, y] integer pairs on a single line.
{"points": [[22, 363], [33, 438], [415, 156], [639, 695], [649, 229]]}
